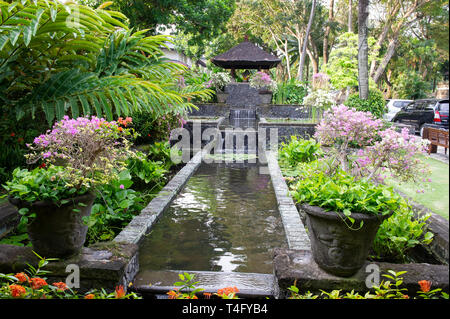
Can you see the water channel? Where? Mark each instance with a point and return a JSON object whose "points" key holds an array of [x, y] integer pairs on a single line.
{"points": [[225, 219]]}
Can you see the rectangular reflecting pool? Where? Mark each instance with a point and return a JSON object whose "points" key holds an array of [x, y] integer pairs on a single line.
{"points": [[225, 219]]}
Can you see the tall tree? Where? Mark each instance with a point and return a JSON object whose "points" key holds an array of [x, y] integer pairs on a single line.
{"points": [[407, 16], [328, 30], [201, 19], [363, 50], [70, 59], [305, 41], [350, 16]]}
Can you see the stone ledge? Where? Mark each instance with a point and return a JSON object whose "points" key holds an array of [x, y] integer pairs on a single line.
{"points": [[250, 285], [105, 265], [296, 235], [299, 265]]}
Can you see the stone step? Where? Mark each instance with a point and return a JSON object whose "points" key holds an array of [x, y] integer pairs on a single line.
{"points": [[156, 283]]}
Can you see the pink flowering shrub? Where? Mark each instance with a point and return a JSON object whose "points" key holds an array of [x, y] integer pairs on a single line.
{"points": [[394, 154], [360, 145], [262, 80], [92, 151]]}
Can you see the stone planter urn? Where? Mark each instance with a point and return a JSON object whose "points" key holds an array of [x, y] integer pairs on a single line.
{"points": [[266, 96], [336, 248], [58, 229], [221, 97]]}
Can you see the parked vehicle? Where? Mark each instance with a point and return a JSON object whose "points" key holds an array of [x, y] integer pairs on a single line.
{"points": [[426, 111], [394, 106]]}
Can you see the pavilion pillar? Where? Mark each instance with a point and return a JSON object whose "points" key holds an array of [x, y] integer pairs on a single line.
{"points": [[233, 73]]}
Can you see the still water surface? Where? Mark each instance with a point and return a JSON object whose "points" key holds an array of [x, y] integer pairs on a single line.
{"points": [[225, 219]]}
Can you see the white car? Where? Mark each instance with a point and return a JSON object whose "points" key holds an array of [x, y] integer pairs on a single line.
{"points": [[393, 106]]}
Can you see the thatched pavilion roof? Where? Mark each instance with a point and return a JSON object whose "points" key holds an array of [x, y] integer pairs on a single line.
{"points": [[246, 55]]}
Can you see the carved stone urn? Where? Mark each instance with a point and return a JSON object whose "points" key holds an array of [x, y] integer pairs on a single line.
{"points": [[221, 96], [265, 96], [58, 230], [337, 248]]}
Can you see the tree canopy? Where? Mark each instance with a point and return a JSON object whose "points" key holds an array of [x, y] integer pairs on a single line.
{"points": [[200, 20]]}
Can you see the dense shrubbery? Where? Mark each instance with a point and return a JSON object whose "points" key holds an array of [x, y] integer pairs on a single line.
{"points": [[290, 92], [410, 85], [375, 104], [153, 128], [300, 150]]}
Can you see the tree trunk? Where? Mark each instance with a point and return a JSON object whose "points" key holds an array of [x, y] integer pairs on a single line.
{"points": [[327, 32], [402, 24], [288, 61], [305, 42], [313, 55], [363, 50], [350, 16], [387, 57], [392, 15], [315, 64]]}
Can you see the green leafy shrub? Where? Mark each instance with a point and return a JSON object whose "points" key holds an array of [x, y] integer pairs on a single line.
{"points": [[290, 92], [152, 128], [300, 150], [161, 152], [410, 85], [113, 209], [375, 104], [399, 233], [343, 193], [150, 173], [41, 184]]}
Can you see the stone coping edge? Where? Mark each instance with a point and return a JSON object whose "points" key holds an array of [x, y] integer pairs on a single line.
{"points": [[296, 234]]}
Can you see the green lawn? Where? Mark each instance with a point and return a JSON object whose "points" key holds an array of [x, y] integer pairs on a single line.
{"points": [[436, 197]]}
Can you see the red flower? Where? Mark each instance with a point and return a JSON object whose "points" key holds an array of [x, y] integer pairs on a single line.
{"points": [[42, 165], [227, 291], [89, 296], [38, 283], [120, 292], [13, 134], [60, 285], [22, 277], [17, 291], [425, 285], [173, 294]]}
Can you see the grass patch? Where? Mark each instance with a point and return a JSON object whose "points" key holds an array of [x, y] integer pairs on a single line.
{"points": [[436, 196]]}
